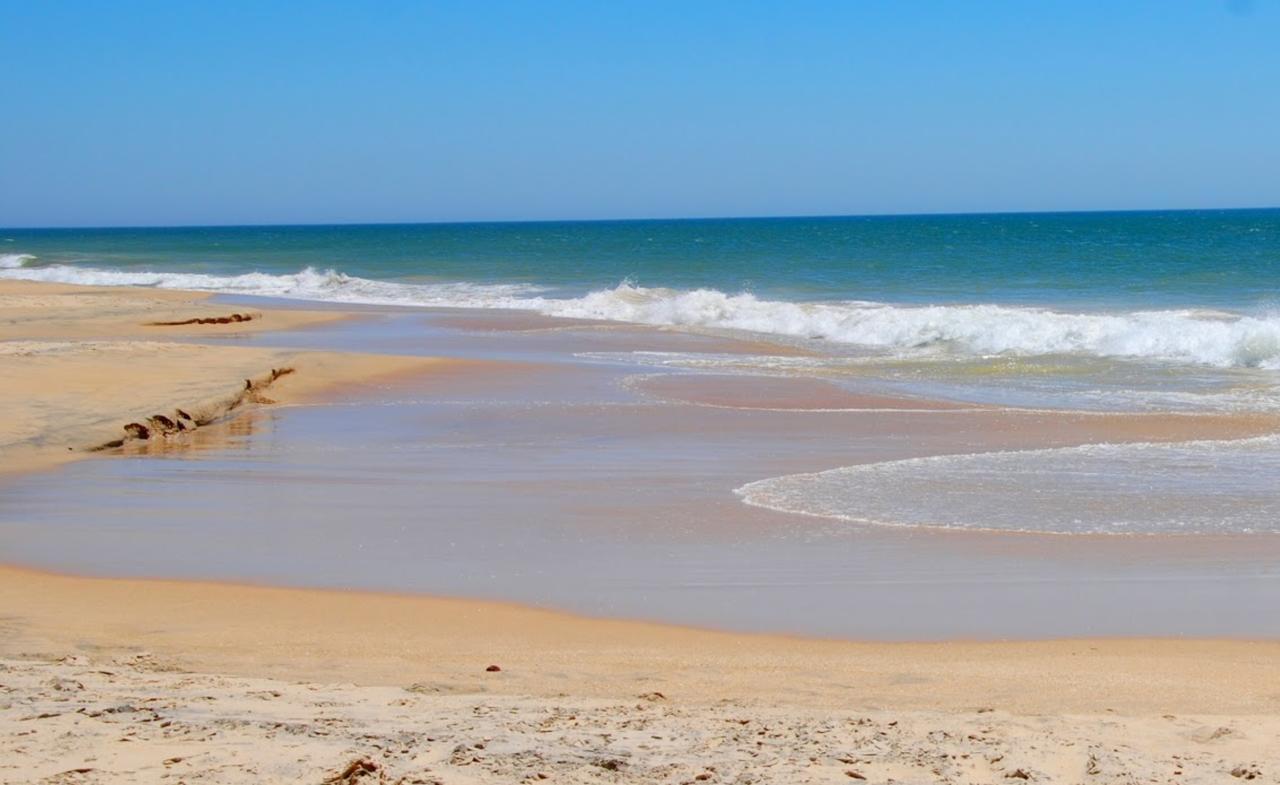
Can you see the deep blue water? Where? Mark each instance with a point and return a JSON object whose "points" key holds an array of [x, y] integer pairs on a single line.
{"points": [[1220, 259]]}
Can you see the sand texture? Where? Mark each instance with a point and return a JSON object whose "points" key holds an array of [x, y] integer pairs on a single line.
{"points": [[138, 719], [33, 310], [257, 684], [84, 368]]}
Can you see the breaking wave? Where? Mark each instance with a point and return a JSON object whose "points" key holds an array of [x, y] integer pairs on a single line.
{"points": [[1213, 338], [309, 284], [12, 261], [1210, 338]]}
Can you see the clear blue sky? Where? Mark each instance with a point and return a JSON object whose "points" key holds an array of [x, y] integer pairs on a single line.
{"points": [[268, 112]]}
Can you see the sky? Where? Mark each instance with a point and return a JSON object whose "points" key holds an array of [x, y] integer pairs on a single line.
{"points": [[181, 113]]}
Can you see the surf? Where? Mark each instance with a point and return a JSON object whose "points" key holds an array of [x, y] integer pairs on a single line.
{"points": [[1191, 488], [12, 261], [1214, 338]]}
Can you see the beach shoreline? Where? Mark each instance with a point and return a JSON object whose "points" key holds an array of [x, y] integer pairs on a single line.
{"points": [[94, 351], [283, 632], [333, 660], [94, 368]]}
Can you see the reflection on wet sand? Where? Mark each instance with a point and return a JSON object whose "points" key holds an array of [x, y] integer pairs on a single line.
{"points": [[767, 392], [229, 433], [600, 488], [641, 337]]}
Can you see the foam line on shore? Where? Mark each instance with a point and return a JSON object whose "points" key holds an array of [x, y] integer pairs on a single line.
{"points": [[1196, 336], [1189, 488]]}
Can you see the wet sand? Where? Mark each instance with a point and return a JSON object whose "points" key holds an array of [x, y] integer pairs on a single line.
{"points": [[446, 645], [795, 394], [82, 363], [622, 509], [213, 681], [527, 469]]}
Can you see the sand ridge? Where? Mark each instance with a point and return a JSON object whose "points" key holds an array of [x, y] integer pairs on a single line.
{"points": [[86, 367]]}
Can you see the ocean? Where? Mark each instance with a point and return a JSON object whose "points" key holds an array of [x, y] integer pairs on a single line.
{"points": [[1135, 310], [1193, 286]]}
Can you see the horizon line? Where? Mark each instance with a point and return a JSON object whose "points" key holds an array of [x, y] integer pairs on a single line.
{"points": [[527, 221]]}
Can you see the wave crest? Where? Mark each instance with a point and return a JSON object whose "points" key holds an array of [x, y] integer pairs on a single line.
{"points": [[1210, 338], [12, 261], [1187, 336], [307, 284]]}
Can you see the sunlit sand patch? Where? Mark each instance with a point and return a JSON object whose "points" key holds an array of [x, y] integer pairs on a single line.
{"points": [[39, 311]]}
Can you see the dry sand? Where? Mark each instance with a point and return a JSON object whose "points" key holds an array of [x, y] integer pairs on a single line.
{"points": [[134, 720], [108, 680], [49, 311]]}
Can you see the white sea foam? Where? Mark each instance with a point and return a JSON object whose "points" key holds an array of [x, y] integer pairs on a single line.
{"points": [[309, 284], [1188, 488], [1210, 338], [12, 261], [1188, 336]]}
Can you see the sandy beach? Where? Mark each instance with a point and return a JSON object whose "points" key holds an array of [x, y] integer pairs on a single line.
{"points": [[156, 680], [445, 393], [81, 363], [126, 680]]}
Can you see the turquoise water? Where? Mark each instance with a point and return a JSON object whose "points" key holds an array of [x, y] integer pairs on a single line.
{"points": [[1218, 259], [1114, 299]]}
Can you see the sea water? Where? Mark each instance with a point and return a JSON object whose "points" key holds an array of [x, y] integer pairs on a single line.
{"points": [[1142, 312], [1190, 286]]}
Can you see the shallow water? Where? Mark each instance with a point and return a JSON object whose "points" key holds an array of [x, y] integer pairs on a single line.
{"points": [[551, 478], [1181, 488]]}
